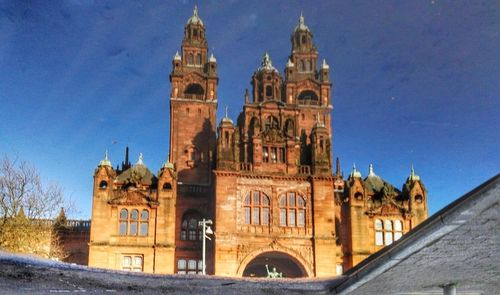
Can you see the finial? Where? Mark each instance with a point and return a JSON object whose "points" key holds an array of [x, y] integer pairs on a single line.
{"points": [[212, 58], [226, 118], [301, 18], [413, 176], [168, 164], [355, 173], [177, 56], [325, 65], [195, 11], [289, 63], [247, 97], [370, 170], [140, 162], [266, 63], [105, 161]]}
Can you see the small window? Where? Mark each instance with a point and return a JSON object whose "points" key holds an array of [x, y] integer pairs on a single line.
{"points": [[269, 91], [167, 186], [181, 266], [419, 199], [133, 263], [103, 184]]}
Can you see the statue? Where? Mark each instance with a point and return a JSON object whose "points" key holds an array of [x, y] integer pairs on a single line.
{"points": [[273, 274]]}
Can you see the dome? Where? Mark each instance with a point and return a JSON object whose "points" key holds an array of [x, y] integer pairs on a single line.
{"points": [[195, 19], [266, 64], [301, 26]]}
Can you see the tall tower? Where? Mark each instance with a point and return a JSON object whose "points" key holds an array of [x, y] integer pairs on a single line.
{"points": [[193, 104], [309, 88]]}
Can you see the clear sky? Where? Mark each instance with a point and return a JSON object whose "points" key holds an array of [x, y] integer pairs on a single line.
{"points": [[415, 82]]}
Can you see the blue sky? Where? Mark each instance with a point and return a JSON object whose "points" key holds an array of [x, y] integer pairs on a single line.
{"points": [[415, 82]]}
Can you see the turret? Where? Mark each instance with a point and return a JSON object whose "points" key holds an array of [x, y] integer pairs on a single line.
{"points": [[266, 82]]}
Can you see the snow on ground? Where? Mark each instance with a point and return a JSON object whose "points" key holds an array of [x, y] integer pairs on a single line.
{"points": [[22, 274]]}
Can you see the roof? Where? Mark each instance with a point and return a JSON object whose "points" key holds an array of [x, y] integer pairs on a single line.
{"points": [[457, 245], [138, 173]]}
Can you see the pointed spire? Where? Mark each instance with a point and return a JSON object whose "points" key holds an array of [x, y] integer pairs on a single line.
{"points": [[324, 65], [370, 170], [105, 161], [413, 176], [226, 118], [355, 173], [167, 164], [212, 58], [177, 56], [247, 96], [302, 25], [289, 63], [139, 162], [337, 172]]}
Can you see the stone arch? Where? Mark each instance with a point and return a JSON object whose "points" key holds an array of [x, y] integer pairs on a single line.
{"points": [[276, 248], [308, 97], [194, 88]]}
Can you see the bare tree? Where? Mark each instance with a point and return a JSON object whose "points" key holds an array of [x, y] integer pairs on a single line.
{"points": [[27, 208]]}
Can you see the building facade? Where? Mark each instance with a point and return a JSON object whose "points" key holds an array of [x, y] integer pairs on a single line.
{"points": [[265, 180]]}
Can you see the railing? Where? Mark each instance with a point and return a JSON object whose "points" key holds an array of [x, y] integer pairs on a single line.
{"points": [[246, 167], [304, 169], [194, 96]]}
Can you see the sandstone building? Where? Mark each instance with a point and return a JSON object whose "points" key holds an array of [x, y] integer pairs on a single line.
{"points": [[265, 180]]}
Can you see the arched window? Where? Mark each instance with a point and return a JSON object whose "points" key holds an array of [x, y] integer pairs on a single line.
{"points": [[302, 66], [103, 184], [358, 196], [198, 59], [289, 128], [123, 222], [134, 217], [167, 186], [308, 65], [190, 59], [387, 231], [419, 199], [292, 210], [144, 228], [256, 207], [308, 97], [194, 88], [269, 91], [190, 230]]}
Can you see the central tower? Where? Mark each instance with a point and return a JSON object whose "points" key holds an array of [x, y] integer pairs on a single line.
{"points": [[193, 105]]}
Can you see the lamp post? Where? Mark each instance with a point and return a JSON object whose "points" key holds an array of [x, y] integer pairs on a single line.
{"points": [[205, 224]]}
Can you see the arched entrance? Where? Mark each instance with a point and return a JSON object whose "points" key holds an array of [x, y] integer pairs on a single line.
{"points": [[282, 262]]}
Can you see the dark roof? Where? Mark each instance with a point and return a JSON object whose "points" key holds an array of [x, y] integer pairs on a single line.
{"points": [[138, 173]]}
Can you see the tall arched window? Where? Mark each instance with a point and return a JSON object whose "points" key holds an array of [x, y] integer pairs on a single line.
{"points": [[143, 229], [308, 66], [256, 207], [190, 59], [292, 210], [123, 222], [198, 59]]}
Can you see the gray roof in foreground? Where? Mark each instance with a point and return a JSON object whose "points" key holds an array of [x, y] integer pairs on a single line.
{"points": [[458, 245]]}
